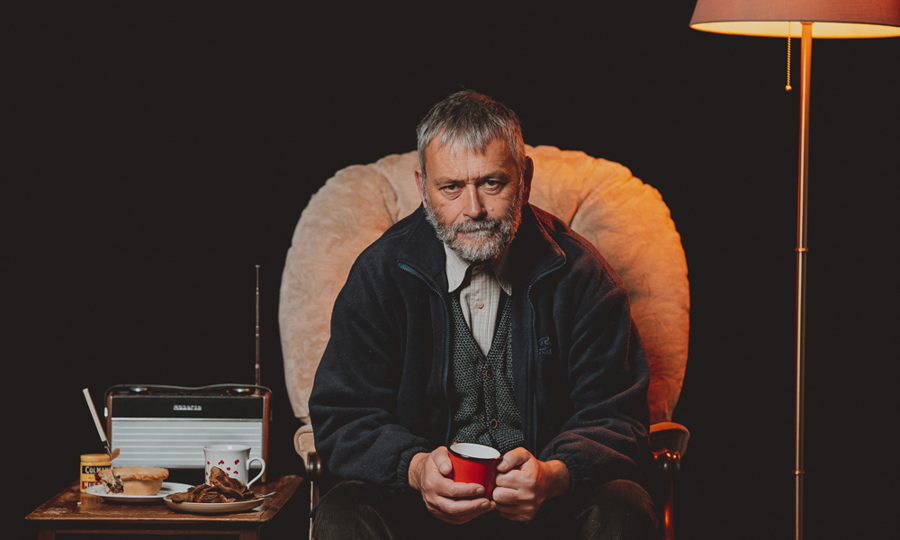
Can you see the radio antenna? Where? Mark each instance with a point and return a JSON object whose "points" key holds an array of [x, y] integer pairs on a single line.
{"points": [[257, 326]]}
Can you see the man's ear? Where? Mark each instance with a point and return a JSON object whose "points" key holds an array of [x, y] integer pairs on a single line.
{"points": [[527, 176], [420, 188]]}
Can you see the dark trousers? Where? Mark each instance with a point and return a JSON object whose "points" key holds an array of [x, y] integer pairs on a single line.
{"points": [[620, 509]]}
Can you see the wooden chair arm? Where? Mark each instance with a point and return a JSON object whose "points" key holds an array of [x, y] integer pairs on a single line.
{"points": [[315, 468], [668, 442], [669, 435]]}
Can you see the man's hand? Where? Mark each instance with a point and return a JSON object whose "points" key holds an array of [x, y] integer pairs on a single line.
{"points": [[453, 502], [524, 483]]}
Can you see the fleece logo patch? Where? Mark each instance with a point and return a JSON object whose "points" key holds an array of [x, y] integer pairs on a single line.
{"points": [[544, 346]]}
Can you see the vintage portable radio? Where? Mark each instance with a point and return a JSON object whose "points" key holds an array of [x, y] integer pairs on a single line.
{"points": [[168, 426]]}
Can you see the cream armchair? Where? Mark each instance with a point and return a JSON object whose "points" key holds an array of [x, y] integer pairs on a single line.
{"points": [[624, 218]]}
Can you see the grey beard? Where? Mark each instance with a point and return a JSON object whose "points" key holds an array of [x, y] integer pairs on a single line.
{"points": [[492, 235]]}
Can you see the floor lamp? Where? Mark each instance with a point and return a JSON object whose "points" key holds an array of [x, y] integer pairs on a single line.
{"points": [[808, 19]]}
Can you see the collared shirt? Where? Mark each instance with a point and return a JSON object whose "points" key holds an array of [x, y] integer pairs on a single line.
{"points": [[479, 292]]}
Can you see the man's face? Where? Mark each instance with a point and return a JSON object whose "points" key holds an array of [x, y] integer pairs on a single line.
{"points": [[474, 200]]}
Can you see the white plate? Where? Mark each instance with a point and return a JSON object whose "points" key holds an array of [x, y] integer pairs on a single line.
{"points": [[167, 489], [215, 508]]}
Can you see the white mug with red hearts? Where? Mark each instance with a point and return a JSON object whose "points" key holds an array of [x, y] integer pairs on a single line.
{"points": [[233, 459]]}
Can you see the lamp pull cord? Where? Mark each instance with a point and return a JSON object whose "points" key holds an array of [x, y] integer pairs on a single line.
{"points": [[787, 87]]}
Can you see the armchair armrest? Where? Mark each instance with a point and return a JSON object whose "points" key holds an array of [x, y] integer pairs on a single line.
{"points": [[668, 442]]}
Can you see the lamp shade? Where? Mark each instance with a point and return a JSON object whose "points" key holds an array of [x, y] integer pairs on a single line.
{"points": [[832, 18]]}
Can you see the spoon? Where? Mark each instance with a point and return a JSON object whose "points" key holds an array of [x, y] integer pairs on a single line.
{"points": [[117, 487]]}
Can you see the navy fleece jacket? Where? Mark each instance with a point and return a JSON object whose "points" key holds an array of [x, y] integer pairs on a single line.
{"points": [[580, 371]]}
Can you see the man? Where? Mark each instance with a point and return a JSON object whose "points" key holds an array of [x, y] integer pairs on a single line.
{"points": [[480, 318]]}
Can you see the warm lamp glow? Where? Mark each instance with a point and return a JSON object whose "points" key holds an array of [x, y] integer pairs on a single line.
{"points": [[832, 18]]}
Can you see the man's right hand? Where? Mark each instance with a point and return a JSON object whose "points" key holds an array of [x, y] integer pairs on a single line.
{"points": [[453, 502]]}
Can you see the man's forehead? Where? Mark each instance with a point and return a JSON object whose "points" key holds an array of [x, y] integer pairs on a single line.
{"points": [[459, 147]]}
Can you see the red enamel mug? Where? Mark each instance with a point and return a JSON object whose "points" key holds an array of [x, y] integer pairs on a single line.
{"points": [[475, 464]]}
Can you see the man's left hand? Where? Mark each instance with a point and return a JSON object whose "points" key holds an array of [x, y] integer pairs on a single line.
{"points": [[524, 483]]}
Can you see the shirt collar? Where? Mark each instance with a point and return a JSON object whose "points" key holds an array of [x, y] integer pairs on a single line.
{"points": [[456, 268]]}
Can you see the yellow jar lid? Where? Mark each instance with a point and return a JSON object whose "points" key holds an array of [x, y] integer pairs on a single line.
{"points": [[95, 458]]}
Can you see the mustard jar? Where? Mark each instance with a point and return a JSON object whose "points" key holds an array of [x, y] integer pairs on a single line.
{"points": [[91, 464]]}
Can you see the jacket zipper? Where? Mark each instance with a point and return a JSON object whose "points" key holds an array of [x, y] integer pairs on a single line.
{"points": [[446, 371], [532, 395]]}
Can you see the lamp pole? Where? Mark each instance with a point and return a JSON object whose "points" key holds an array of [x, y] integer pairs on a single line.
{"points": [[802, 252]]}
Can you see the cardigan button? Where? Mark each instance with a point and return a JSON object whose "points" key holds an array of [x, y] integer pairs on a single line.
{"points": [[494, 423], [489, 373]]}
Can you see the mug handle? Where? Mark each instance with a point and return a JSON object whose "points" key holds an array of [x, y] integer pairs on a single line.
{"points": [[261, 472]]}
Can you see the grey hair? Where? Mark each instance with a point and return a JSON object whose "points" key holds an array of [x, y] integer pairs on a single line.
{"points": [[474, 120]]}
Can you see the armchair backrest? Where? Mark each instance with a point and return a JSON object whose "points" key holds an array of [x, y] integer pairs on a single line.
{"points": [[624, 218]]}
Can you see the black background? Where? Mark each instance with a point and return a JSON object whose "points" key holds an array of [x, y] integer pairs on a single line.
{"points": [[155, 153]]}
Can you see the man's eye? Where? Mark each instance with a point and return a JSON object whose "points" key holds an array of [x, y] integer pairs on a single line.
{"points": [[450, 188]]}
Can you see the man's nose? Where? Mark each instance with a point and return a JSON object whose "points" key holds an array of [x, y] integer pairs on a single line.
{"points": [[474, 208]]}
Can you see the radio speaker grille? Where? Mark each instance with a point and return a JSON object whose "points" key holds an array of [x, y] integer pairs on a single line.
{"points": [[178, 443]]}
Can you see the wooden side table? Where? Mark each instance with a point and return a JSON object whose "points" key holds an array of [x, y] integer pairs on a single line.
{"points": [[73, 512]]}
